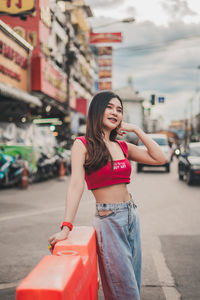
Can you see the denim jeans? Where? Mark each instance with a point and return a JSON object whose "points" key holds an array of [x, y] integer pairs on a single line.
{"points": [[119, 250]]}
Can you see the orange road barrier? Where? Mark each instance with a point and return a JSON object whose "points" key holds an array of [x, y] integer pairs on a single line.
{"points": [[82, 241], [24, 182], [62, 170], [69, 274], [53, 278]]}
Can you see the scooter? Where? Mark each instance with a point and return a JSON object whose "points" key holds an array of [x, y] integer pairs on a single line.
{"points": [[11, 169], [177, 152], [44, 167], [63, 156]]}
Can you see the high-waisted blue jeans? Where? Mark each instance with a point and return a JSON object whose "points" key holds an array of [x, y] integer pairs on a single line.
{"points": [[119, 250]]}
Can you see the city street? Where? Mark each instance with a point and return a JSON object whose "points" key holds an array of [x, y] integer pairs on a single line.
{"points": [[170, 225], [90, 68]]}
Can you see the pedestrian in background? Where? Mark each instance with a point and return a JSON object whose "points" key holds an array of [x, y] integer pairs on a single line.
{"points": [[104, 162]]}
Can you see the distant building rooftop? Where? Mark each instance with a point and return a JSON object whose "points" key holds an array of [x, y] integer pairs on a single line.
{"points": [[129, 94]]}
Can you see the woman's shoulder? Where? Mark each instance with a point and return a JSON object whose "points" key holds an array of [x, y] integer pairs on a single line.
{"points": [[123, 145], [79, 146], [82, 139]]}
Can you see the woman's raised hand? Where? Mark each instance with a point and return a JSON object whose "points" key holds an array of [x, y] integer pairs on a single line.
{"points": [[123, 128]]}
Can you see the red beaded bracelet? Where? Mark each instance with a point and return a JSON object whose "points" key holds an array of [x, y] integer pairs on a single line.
{"points": [[68, 224]]}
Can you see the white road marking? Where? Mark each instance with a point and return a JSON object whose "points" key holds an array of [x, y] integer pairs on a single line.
{"points": [[33, 213], [9, 285], [164, 274]]}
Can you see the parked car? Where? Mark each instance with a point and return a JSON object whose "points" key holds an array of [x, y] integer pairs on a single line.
{"points": [[189, 163], [162, 141]]}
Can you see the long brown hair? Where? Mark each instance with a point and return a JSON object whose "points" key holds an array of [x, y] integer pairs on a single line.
{"points": [[97, 152]]}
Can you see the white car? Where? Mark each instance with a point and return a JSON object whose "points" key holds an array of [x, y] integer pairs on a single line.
{"points": [[162, 141]]}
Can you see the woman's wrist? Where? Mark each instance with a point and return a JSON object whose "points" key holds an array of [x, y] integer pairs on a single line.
{"points": [[65, 229], [136, 129], [66, 224]]}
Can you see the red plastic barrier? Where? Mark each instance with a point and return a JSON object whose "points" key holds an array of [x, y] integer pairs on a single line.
{"points": [[82, 241], [62, 170], [69, 274], [54, 278], [24, 182]]}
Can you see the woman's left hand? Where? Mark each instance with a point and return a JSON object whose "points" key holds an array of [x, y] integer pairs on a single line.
{"points": [[123, 128]]}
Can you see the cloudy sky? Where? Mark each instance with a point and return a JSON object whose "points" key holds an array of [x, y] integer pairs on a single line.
{"points": [[160, 50]]}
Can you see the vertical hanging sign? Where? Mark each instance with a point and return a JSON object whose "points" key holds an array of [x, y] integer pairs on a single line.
{"points": [[105, 68], [105, 57]]}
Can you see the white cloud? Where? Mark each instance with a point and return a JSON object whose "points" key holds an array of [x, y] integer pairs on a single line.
{"points": [[177, 9], [156, 11], [161, 57], [99, 5]]}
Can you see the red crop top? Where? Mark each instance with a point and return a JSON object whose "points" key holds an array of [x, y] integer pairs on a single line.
{"points": [[106, 176]]}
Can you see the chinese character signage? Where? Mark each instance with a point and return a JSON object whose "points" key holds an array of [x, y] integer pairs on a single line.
{"points": [[105, 68], [105, 73], [104, 51], [106, 62], [16, 7], [13, 62], [107, 37], [105, 85], [47, 79]]}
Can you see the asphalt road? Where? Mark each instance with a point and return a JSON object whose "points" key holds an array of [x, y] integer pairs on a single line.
{"points": [[170, 226]]}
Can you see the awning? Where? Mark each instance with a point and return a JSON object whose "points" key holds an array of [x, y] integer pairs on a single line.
{"points": [[16, 94], [48, 100]]}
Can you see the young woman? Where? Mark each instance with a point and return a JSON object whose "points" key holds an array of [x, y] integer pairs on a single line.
{"points": [[103, 161]]}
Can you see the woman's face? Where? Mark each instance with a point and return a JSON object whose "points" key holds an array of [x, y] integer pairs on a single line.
{"points": [[113, 114]]}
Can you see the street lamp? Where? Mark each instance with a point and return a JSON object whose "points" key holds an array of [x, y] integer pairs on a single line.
{"points": [[125, 20]]}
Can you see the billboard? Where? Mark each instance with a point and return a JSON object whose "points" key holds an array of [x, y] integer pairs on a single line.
{"points": [[107, 37], [47, 79], [16, 7], [105, 68], [13, 62], [104, 51], [105, 62], [105, 73], [105, 85]]}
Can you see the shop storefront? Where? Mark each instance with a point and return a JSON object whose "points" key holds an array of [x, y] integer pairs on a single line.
{"points": [[48, 81], [15, 98]]}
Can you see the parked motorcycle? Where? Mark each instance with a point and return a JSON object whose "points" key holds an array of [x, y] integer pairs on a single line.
{"points": [[63, 157], [11, 169], [177, 152], [44, 167]]}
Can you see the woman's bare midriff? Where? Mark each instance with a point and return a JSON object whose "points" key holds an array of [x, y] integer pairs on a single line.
{"points": [[112, 194]]}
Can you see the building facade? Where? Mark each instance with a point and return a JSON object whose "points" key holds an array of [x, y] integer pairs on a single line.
{"points": [[62, 62], [16, 102], [133, 109]]}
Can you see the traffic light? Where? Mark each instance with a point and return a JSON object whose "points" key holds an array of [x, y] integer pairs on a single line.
{"points": [[153, 99]]}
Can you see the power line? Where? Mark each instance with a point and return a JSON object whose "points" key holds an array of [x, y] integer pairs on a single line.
{"points": [[155, 46]]}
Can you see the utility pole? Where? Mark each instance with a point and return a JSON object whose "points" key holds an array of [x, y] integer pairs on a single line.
{"points": [[191, 119], [67, 66], [70, 58]]}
